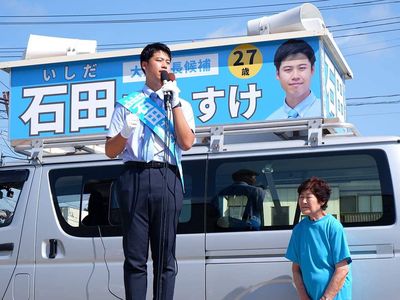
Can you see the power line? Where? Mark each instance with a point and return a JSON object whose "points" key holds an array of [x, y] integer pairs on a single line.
{"points": [[357, 4], [2, 83], [362, 22], [19, 49], [371, 97], [374, 114], [8, 146], [185, 18], [369, 43], [373, 103], [8, 51], [372, 50], [366, 33], [126, 45], [158, 12], [106, 46], [11, 48], [366, 26], [113, 46], [132, 21], [154, 20], [10, 56]]}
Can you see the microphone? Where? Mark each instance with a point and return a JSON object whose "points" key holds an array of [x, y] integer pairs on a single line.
{"points": [[165, 77]]}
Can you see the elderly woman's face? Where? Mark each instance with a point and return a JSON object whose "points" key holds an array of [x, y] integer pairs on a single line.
{"points": [[309, 205]]}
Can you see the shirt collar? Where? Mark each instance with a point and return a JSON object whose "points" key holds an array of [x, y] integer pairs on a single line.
{"points": [[241, 183], [148, 91], [302, 106]]}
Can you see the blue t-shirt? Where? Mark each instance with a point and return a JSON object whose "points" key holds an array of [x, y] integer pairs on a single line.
{"points": [[317, 246]]}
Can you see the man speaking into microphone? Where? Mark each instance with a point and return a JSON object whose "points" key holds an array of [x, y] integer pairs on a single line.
{"points": [[150, 138]]}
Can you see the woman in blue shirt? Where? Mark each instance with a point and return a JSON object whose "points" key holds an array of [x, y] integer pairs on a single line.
{"points": [[318, 247]]}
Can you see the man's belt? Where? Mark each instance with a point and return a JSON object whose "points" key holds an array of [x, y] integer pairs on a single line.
{"points": [[150, 165]]}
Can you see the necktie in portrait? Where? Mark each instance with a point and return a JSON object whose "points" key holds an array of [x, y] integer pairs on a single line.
{"points": [[292, 114]]}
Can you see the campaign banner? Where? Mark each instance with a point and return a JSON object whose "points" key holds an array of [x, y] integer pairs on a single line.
{"points": [[226, 84]]}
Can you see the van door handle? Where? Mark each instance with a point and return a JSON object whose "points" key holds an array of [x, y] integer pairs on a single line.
{"points": [[7, 247], [53, 248], [372, 251]]}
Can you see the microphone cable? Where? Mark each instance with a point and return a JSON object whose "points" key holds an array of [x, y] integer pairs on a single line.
{"points": [[167, 145], [170, 116], [164, 188], [108, 269], [165, 76]]}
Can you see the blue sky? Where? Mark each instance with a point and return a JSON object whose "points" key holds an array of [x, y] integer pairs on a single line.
{"points": [[372, 57]]}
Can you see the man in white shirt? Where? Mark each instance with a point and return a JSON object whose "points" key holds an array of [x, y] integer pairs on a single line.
{"points": [[150, 189], [294, 61]]}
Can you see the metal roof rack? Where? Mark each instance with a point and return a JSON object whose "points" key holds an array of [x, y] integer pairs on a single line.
{"points": [[311, 130], [39, 148]]}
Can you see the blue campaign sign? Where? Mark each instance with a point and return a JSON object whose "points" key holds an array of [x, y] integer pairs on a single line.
{"points": [[224, 84]]}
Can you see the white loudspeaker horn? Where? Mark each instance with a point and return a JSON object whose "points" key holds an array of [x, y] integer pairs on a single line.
{"points": [[303, 17], [40, 46]]}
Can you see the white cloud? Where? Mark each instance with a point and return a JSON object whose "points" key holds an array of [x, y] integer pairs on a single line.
{"points": [[368, 42], [380, 11], [19, 7], [230, 30]]}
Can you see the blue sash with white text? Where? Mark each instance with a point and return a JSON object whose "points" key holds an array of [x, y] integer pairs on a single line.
{"points": [[152, 116]]}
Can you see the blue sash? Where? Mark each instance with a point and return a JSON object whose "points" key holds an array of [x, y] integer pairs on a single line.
{"points": [[154, 117]]}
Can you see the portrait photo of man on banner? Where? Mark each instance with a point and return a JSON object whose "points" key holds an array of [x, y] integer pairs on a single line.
{"points": [[294, 61]]}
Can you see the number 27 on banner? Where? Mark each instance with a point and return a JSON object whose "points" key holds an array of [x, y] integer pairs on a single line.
{"points": [[245, 61]]}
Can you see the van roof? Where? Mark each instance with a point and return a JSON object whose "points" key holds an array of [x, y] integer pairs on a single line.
{"points": [[286, 146], [269, 135]]}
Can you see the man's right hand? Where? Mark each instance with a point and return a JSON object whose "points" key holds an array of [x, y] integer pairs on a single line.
{"points": [[131, 122]]}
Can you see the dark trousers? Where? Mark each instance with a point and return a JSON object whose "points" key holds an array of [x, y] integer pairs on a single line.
{"points": [[146, 196]]}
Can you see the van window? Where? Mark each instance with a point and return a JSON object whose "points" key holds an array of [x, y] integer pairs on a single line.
{"points": [[362, 193], [11, 183], [86, 203], [192, 215], [81, 198]]}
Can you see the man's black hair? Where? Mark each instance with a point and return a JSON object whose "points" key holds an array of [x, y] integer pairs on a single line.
{"points": [[150, 49], [292, 47], [243, 175]]}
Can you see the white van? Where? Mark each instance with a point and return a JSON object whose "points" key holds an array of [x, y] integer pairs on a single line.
{"points": [[51, 249]]}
